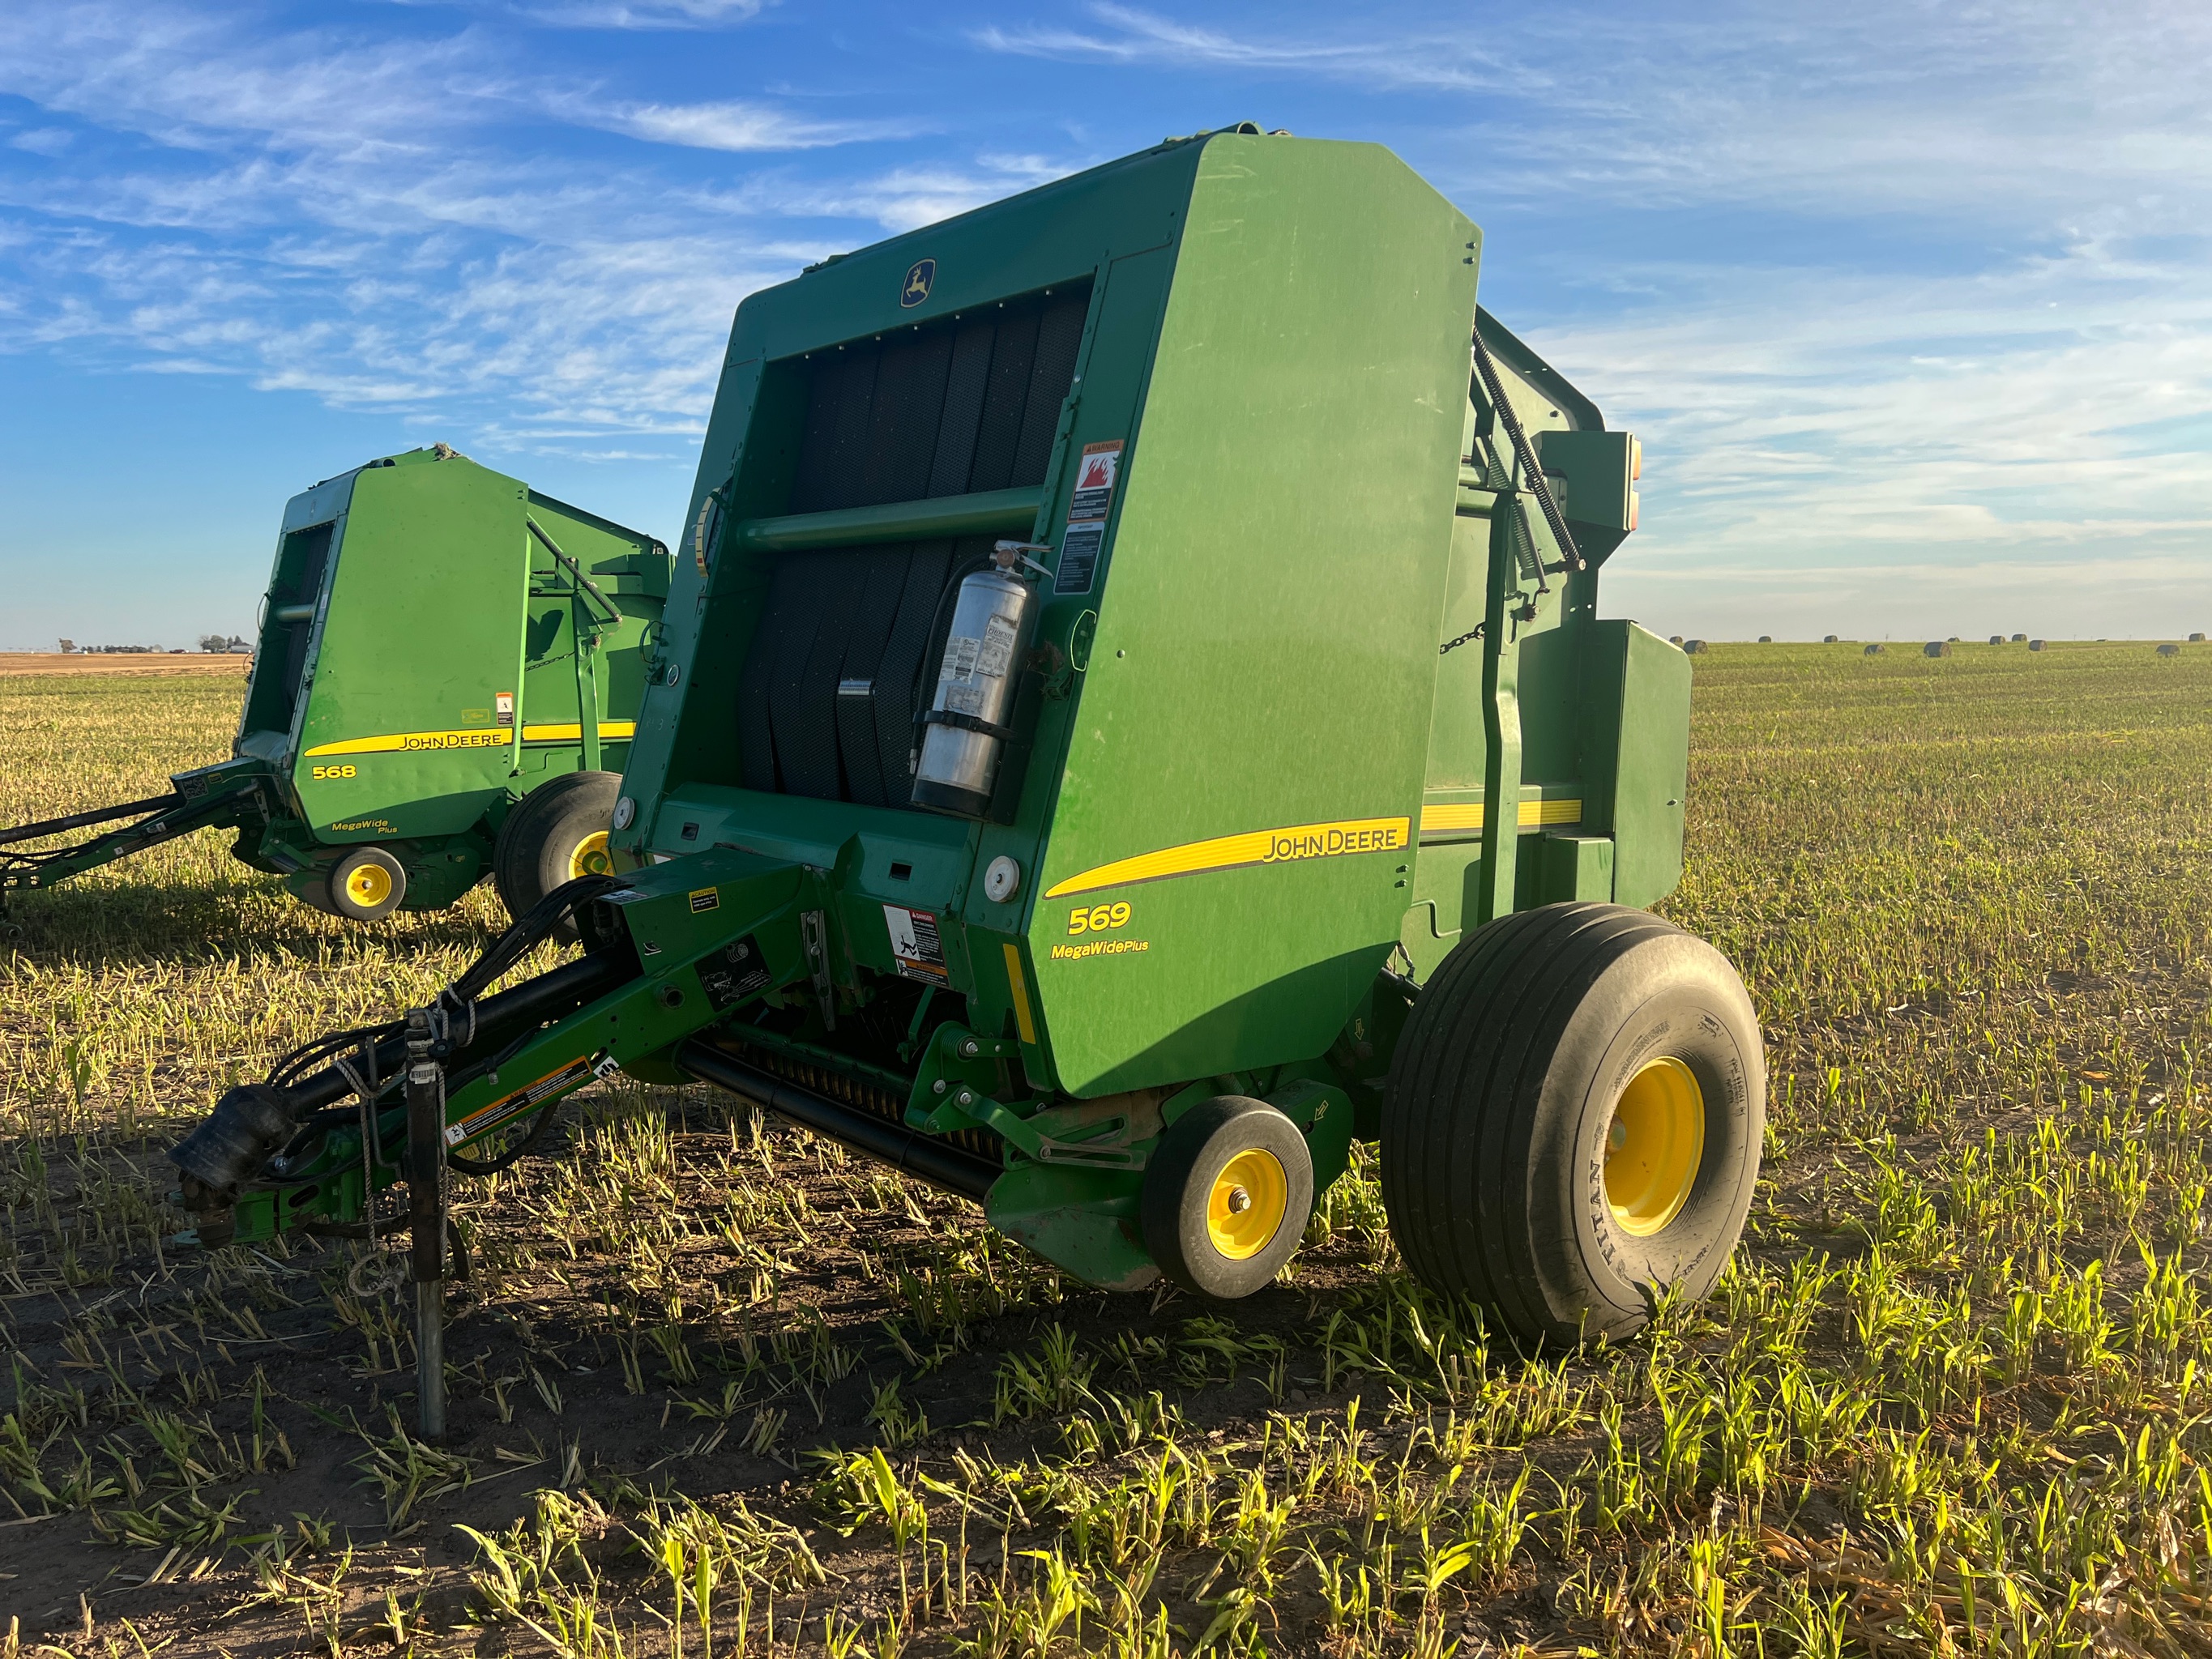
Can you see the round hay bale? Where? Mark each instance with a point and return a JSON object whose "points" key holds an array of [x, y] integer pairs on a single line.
{"points": [[1936, 648], [2196, 639], [1693, 648], [2035, 645], [1996, 639], [1674, 640], [1875, 650], [1827, 639], [2020, 639], [2169, 649], [1767, 638]]}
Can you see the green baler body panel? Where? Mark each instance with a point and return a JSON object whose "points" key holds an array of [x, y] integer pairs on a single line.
{"points": [[1250, 763], [1245, 626], [437, 678]]}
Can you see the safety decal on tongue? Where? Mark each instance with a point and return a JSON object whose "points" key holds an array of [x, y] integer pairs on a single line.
{"points": [[915, 946], [580, 1070]]}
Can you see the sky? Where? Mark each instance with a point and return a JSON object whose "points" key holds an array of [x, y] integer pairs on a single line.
{"points": [[1908, 302]]}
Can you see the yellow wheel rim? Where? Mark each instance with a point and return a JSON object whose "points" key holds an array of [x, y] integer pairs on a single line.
{"points": [[591, 857], [1653, 1147], [1245, 1208], [369, 885]]}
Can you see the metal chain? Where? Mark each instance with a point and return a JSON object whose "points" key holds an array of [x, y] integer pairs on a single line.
{"points": [[378, 1270]]}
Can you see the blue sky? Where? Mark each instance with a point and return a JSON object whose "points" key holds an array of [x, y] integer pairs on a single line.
{"points": [[1909, 302]]}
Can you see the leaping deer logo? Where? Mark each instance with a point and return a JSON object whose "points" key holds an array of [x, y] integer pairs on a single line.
{"points": [[919, 276]]}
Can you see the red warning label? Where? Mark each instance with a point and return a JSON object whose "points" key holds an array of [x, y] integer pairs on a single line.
{"points": [[1094, 482]]}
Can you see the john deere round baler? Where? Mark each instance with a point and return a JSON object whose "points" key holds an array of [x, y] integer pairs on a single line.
{"points": [[1134, 718], [432, 633]]}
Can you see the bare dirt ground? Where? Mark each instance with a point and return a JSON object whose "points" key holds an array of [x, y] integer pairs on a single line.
{"points": [[124, 662]]}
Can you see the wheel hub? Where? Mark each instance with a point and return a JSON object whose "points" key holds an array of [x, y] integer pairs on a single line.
{"points": [[1654, 1147], [1247, 1204], [369, 884], [591, 857]]}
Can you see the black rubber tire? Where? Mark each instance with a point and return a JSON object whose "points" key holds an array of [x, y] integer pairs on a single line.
{"points": [[541, 834], [340, 902], [1191, 1156], [1501, 1096]]}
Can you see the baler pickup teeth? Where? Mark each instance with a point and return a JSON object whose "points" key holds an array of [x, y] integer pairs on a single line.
{"points": [[926, 1156]]}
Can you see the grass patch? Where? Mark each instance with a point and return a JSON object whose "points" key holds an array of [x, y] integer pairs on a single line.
{"points": [[718, 1387]]}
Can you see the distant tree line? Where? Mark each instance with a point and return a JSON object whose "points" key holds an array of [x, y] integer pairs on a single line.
{"points": [[208, 642]]}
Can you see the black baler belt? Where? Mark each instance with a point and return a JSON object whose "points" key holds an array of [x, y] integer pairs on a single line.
{"points": [[755, 730], [811, 490], [963, 415], [896, 670], [856, 406], [1059, 332], [807, 715], [969, 404], [1005, 398], [909, 402], [883, 580], [801, 593]]}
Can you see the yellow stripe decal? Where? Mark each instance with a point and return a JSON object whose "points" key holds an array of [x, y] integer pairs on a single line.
{"points": [[1302, 840], [1468, 815], [573, 732], [473, 737], [1022, 1020]]}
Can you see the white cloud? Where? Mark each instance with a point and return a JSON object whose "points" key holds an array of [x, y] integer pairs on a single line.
{"points": [[730, 126], [364, 220], [641, 14], [1812, 465], [1905, 298], [1448, 58]]}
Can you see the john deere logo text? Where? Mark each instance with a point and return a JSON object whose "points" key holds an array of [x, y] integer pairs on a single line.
{"points": [[919, 275], [1329, 840], [1287, 845]]}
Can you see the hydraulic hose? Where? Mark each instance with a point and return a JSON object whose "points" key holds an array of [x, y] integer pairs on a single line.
{"points": [[557, 992], [473, 1033]]}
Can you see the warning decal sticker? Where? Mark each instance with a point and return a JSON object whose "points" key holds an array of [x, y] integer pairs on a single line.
{"points": [[1087, 508], [1079, 556], [484, 1118], [734, 973], [1094, 482], [915, 946]]}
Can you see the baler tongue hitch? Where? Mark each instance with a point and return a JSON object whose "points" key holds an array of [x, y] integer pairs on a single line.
{"points": [[81, 820], [286, 1127], [158, 819]]}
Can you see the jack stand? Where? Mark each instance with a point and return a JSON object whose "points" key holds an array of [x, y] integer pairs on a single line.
{"points": [[426, 1195]]}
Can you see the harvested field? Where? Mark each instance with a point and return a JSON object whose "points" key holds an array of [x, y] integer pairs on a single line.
{"points": [[719, 1388], [45, 663]]}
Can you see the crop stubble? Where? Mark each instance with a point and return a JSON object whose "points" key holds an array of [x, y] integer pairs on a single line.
{"points": [[717, 1385]]}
